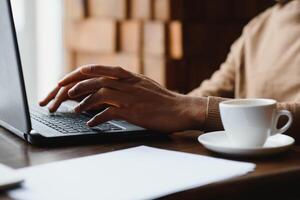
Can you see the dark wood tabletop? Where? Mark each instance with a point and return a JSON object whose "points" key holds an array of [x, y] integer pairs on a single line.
{"points": [[276, 177]]}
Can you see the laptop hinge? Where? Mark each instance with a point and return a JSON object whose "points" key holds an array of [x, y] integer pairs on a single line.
{"points": [[14, 130]]}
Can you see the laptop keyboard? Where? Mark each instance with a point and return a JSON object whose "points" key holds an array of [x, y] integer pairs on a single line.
{"points": [[70, 123]]}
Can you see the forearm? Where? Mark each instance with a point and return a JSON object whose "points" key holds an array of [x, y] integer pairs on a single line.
{"points": [[193, 109], [202, 112]]}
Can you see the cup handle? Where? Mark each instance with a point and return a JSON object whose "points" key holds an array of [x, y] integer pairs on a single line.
{"points": [[280, 113]]}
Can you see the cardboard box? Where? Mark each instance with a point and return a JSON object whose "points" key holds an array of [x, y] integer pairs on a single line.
{"points": [[176, 40], [169, 73], [129, 62], [155, 38], [131, 40], [75, 9], [167, 10], [141, 9], [69, 61], [92, 35], [112, 9]]}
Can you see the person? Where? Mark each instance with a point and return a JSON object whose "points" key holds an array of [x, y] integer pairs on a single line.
{"points": [[263, 63]]}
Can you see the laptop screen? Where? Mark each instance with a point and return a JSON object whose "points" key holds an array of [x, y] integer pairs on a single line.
{"points": [[13, 103]]}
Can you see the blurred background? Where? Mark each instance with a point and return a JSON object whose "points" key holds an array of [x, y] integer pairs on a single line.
{"points": [[178, 43]]}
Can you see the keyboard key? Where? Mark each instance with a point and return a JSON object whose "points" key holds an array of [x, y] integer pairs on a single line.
{"points": [[70, 123]]}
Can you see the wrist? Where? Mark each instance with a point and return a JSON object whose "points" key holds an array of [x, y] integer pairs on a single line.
{"points": [[193, 110]]}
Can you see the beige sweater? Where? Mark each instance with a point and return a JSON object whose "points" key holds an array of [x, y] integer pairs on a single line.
{"points": [[263, 63]]}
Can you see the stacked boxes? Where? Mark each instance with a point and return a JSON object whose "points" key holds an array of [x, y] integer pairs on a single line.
{"points": [[178, 43]]}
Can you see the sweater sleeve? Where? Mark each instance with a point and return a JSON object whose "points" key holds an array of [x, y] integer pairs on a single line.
{"points": [[213, 118], [222, 81]]}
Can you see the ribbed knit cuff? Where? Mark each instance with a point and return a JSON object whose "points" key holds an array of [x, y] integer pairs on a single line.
{"points": [[213, 119]]}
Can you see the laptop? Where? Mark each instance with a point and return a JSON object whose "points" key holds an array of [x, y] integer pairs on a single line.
{"points": [[35, 124]]}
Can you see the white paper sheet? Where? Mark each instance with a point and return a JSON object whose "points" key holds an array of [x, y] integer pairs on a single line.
{"points": [[8, 177], [136, 173]]}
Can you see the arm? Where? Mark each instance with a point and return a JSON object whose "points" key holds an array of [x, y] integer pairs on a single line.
{"points": [[131, 97], [222, 81]]}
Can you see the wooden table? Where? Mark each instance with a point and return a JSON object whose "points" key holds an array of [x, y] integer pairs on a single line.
{"points": [[275, 177]]}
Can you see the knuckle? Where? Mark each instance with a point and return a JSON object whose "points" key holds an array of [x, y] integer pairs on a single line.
{"points": [[78, 86], [119, 69], [80, 68], [103, 91], [73, 91], [99, 93], [93, 68], [103, 80]]}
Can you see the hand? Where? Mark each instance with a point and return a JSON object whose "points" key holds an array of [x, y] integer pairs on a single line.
{"points": [[60, 94], [134, 98]]}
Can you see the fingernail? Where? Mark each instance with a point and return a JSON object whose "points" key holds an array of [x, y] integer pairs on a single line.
{"points": [[51, 110], [90, 123], [77, 109], [60, 83], [71, 93]]}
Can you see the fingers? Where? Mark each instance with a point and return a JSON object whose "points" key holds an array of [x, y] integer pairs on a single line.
{"points": [[92, 85], [103, 96], [84, 88], [114, 72], [50, 96], [61, 96], [74, 76], [90, 71], [98, 108], [107, 115]]}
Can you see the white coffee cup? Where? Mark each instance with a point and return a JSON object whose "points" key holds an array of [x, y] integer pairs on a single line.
{"points": [[249, 122]]}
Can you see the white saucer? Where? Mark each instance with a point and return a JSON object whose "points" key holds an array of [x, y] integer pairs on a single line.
{"points": [[218, 142]]}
